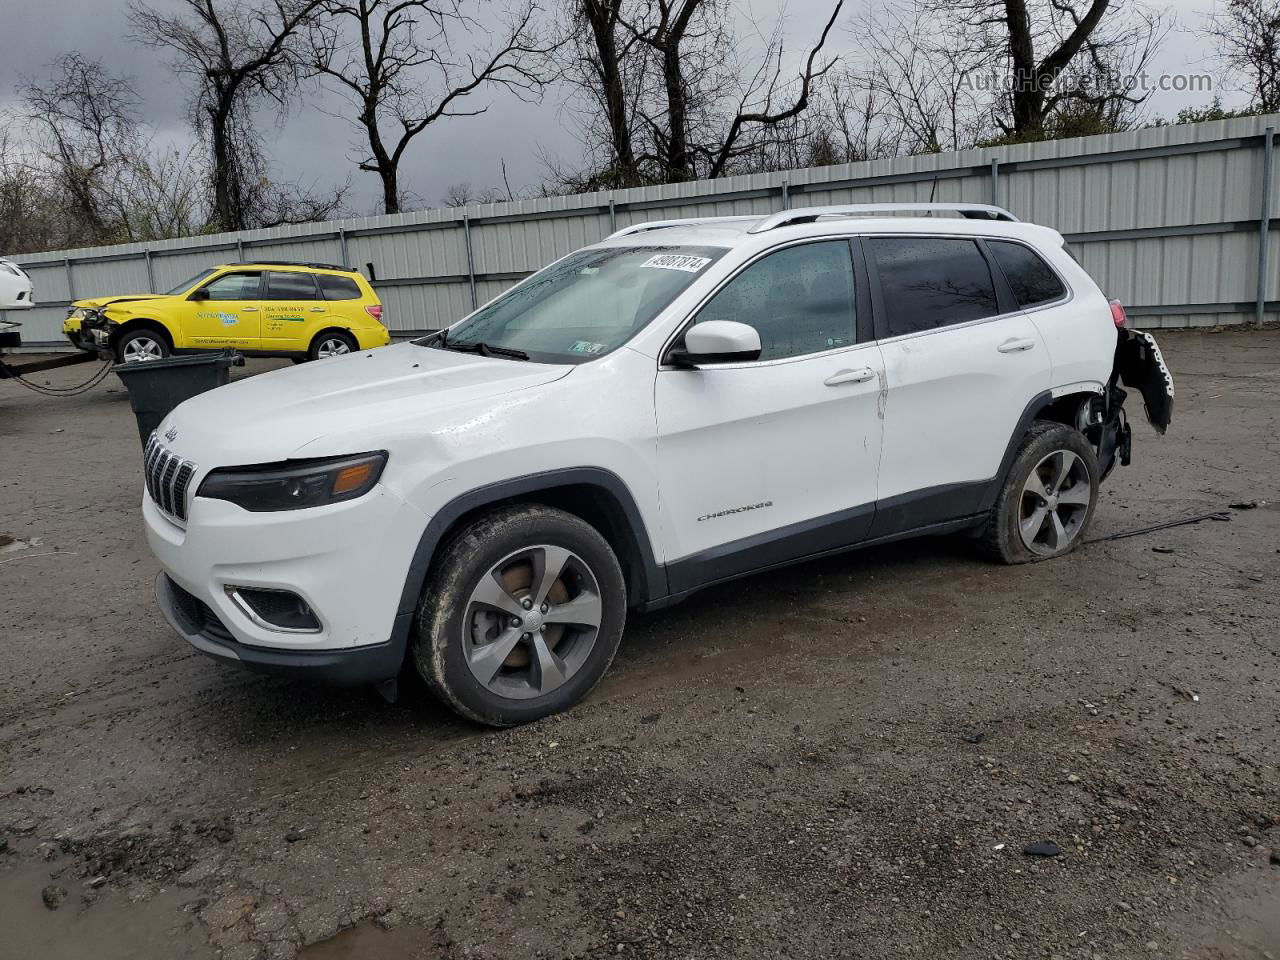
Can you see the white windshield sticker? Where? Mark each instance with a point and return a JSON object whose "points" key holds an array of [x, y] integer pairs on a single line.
{"points": [[675, 261]]}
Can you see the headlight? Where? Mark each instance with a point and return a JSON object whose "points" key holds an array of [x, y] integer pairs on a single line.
{"points": [[76, 314], [295, 485]]}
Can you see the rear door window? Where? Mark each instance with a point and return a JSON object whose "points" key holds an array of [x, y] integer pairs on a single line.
{"points": [[931, 282], [338, 288], [1031, 279], [291, 286]]}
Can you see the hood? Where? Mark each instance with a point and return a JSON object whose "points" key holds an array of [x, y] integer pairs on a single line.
{"points": [[117, 298], [356, 402]]}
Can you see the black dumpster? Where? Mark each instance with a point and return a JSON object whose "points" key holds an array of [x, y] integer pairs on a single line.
{"points": [[157, 386]]}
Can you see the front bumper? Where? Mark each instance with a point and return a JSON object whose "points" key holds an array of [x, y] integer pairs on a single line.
{"points": [[200, 626], [347, 561]]}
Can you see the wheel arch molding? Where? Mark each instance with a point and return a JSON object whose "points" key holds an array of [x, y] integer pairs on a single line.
{"points": [[598, 496], [119, 330]]}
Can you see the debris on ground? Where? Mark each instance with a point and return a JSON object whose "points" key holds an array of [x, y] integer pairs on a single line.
{"points": [[53, 895], [1042, 848]]}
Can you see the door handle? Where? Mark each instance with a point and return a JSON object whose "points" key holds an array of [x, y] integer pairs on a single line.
{"points": [[317, 309], [1016, 345], [861, 375], [248, 309]]}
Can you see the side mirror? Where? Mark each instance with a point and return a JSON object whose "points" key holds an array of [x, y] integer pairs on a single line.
{"points": [[716, 341], [200, 294]]}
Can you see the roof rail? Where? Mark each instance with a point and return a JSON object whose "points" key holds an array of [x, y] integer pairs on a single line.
{"points": [[972, 211], [290, 263], [662, 224]]}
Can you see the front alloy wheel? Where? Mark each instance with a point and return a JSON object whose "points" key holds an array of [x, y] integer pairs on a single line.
{"points": [[532, 622], [521, 616], [142, 346]]}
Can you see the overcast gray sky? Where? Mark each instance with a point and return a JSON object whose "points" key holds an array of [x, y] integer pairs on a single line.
{"points": [[314, 146]]}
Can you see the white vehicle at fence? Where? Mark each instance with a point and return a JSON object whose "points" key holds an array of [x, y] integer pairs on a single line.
{"points": [[17, 292], [683, 403]]}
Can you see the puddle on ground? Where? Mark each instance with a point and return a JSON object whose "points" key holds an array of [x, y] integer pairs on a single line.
{"points": [[112, 928], [369, 942]]}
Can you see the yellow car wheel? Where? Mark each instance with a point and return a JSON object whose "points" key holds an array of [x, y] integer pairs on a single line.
{"points": [[331, 343]]}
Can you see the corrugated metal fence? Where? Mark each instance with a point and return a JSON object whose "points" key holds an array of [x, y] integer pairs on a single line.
{"points": [[1172, 220]]}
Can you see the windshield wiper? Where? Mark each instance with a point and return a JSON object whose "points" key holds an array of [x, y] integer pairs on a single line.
{"points": [[483, 349]]}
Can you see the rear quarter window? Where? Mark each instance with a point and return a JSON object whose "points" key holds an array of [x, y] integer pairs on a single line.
{"points": [[1031, 279], [335, 287]]}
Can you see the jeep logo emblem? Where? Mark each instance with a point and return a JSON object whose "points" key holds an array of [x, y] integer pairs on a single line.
{"points": [[171, 434]]}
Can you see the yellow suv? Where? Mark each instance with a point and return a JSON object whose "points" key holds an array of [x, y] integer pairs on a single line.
{"points": [[271, 308]]}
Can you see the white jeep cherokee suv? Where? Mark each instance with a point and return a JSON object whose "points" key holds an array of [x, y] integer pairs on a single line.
{"points": [[683, 403]]}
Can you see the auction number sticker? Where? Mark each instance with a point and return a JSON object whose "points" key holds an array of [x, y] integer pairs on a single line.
{"points": [[675, 261]]}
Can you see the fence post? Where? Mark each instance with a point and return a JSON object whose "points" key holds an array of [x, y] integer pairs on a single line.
{"points": [[71, 287], [342, 246], [613, 215], [151, 275], [995, 182], [786, 195], [471, 263], [1268, 166], [239, 249]]}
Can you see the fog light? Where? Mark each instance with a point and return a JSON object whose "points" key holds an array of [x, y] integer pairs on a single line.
{"points": [[281, 610]]}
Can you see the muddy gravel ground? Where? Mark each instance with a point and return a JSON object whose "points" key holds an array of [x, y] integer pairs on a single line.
{"points": [[842, 759]]}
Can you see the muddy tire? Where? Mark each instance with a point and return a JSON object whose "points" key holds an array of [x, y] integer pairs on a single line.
{"points": [[521, 615], [1047, 500]]}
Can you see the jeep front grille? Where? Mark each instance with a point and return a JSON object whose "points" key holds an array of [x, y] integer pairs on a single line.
{"points": [[168, 477]]}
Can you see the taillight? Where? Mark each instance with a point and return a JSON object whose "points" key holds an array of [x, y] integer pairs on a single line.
{"points": [[1117, 313], [375, 311]]}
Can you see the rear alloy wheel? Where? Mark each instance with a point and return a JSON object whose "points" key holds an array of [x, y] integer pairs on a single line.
{"points": [[333, 343], [1047, 499], [141, 345], [1055, 503], [522, 617]]}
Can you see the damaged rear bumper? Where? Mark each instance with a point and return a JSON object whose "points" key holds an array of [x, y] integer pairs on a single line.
{"points": [[1139, 365]]}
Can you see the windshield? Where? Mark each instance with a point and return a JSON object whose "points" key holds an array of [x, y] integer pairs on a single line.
{"points": [[585, 305], [188, 284]]}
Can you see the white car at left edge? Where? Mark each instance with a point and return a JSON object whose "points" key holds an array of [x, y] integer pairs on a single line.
{"points": [[17, 292]]}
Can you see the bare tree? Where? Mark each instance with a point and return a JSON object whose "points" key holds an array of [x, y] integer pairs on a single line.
{"points": [[30, 216], [1247, 33], [84, 120], [99, 175], [911, 88], [396, 61], [681, 32], [1072, 57], [666, 94], [239, 53], [604, 69], [463, 194]]}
